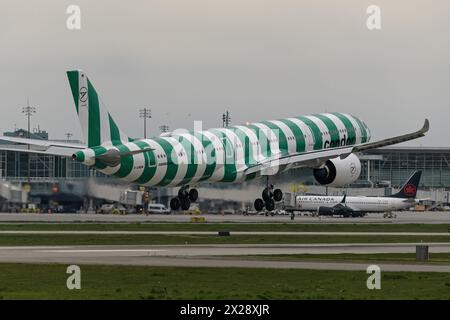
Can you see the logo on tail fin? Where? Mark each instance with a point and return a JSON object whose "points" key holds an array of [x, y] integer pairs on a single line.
{"points": [[83, 94], [410, 190]]}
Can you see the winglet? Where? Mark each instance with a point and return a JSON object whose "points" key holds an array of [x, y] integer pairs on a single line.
{"points": [[426, 126]]}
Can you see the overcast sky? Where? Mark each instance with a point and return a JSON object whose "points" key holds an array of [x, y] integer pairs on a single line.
{"points": [[261, 59]]}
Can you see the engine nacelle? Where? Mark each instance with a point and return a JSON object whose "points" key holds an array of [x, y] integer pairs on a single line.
{"points": [[339, 172]]}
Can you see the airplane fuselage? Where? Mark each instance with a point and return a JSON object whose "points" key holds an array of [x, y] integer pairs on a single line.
{"points": [[222, 154], [355, 203]]}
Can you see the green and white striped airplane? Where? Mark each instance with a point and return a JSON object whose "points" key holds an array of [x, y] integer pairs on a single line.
{"points": [[326, 142]]}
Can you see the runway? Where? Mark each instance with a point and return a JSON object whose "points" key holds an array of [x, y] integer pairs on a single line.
{"points": [[215, 233], [216, 255], [401, 217]]}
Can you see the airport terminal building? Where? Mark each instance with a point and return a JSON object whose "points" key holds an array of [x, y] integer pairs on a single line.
{"points": [[394, 165]]}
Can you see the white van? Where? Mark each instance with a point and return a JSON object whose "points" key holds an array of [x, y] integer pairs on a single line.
{"points": [[158, 208]]}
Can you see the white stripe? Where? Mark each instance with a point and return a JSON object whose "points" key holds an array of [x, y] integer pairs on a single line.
{"points": [[253, 139], [273, 138], [123, 136], [200, 156], [238, 152], [339, 124], [181, 161], [89, 157], [160, 169], [356, 126], [105, 132], [292, 148], [138, 163], [83, 107], [322, 127], [219, 170], [309, 140]]}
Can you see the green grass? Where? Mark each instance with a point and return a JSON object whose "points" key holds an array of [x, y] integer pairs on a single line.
{"points": [[434, 258], [312, 227], [48, 281], [140, 239]]}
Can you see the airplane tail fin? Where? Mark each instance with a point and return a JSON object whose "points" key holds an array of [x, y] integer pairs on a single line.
{"points": [[98, 127], [409, 189]]}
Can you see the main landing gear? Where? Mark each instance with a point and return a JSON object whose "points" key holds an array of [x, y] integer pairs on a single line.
{"points": [[269, 196], [184, 199]]}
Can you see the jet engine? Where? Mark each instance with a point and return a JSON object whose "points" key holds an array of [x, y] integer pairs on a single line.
{"points": [[338, 172]]}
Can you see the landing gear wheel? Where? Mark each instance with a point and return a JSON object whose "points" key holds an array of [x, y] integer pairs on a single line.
{"points": [[183, 193], [270, 205], [175, 204], [259, 204], [277, 195], [266, 194], [185, 204], [193, 195]]}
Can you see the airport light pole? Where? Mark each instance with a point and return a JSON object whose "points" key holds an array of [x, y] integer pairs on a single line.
{"points": [[226, 119], [28, 111], [146, 114], [164, 128], [68, 136]]}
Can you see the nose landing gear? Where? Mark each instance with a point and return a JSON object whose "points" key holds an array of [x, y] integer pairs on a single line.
{"points": [[184, 198]]}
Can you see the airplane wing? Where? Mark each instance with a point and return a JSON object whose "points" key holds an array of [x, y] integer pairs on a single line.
{"points": [[344, 206], [40, 146], [316, 158], [390, 141], [43, 143]]}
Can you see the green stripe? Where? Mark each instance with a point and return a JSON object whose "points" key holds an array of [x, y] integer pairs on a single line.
{"points": [[351, 139], [126, 163], [317, 135], [229, 168], [281, 137], [149, 166], [191, 154], [332, 130], [114, 131], [210, 156], [246, 146], [94, 117], [299, 136], [363, 130], [74, 86], [98, 151], [172, 167], [262, 137]]}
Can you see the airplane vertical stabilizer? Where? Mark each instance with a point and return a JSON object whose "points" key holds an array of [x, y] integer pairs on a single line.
{"points": [[409, 189], [98, 127]]}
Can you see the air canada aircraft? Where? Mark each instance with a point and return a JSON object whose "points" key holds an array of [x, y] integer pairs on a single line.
{"points": [[356, 206], [326, 142]]}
